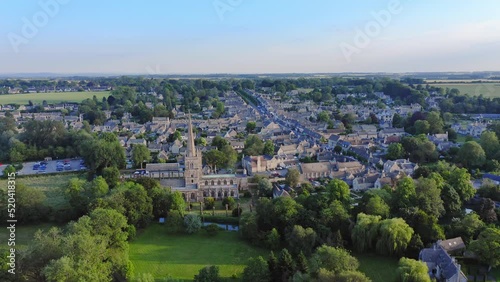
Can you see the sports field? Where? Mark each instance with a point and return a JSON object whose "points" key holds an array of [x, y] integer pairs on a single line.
{"points": [[489, 90], [38, 98], [181, 256]]}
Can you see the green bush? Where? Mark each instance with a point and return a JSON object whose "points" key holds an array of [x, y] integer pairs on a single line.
{"points": [[237, 212], [212, 229]]}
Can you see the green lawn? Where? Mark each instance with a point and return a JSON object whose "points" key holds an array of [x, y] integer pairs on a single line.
{"points": [[182, 256], [378, 268], [50, 97], [491, 89], [51, 185]]}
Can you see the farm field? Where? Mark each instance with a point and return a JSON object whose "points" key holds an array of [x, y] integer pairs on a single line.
{"points": [[38, 98], [181, 256], [489, 90]]}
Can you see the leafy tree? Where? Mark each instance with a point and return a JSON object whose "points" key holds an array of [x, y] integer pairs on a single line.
{"points": [[301, 240], [251, 125], [274, 270], [422, 127], [395, 151], [219, 142], [292, 177], [103, 152], [30, 204], [468, 227], [351, 276], [140, 154], [338, 190], [268, 148], [490, 144], [426, 226], [302, 264], [192, 223], [248, 226], [486, 246], [395, 235], [459, 179], [257, 269], [174, 221], [45, 247], [451, 200], [265, 188], [177, 202], [337, 260], [405, 194], [273, 239], [209, 203], [377, 206], [208, 274], [8, 170], [365, 232], [487, 210], [471, 155], [286, 265], [253, 146], [323, 116], [436, 123], [411, 270], [229, 201], [111, 175], [429, 197]]}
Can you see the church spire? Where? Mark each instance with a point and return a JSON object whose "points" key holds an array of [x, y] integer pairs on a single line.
{"points": [[191, 147]]}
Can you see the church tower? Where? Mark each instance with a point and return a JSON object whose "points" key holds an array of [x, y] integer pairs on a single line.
{"points": [[193, 170]]}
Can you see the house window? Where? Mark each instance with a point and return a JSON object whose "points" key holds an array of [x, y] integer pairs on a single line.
{"points": [[218, 182], [206, 183], [192, 181], [225, 182], [212, 182], [231, 182]]}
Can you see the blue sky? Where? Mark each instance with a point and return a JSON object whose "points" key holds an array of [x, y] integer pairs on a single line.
{"points": [[248, 36]]}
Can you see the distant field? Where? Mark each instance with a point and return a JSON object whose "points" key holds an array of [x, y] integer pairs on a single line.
{"points": [[490, 90], [37, 98], [181, 256]]}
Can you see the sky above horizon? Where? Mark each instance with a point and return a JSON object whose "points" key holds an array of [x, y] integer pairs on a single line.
{"points": [[248, 36]]}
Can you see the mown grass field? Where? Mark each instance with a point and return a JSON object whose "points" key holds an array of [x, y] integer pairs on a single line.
{"points": [[181, 256], [378, 268], [489, 90], [38, 98], [51, 185]]}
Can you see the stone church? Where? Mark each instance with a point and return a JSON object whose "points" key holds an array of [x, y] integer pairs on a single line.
{"points": [[191, 181]]}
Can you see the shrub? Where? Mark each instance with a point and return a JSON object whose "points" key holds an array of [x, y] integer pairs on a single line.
{"points": [[237, 212], [192, 223], [212, 229], [209, 203], [229, 201], [247, 194]]}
